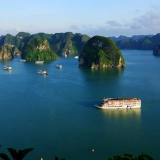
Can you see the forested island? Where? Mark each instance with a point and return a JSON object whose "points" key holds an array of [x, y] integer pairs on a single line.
{"points": [[38, 49], [101, 52], [59, 44], [30, 46], [139, 42]]}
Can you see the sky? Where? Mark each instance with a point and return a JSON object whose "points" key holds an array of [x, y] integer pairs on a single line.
{"points": [[90, 17]]}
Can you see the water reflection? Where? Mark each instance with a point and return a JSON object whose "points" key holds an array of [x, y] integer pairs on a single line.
{"points": [[102, 73], [120, 113], [108, 71]]}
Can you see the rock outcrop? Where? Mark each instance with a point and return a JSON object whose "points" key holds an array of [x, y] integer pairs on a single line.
{"points": [[6, 52], [9, 51], [101, 52], [38, 49], [156, 50]]}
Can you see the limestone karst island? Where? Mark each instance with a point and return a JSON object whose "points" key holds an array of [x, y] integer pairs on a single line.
{"points": [[101, 52], [95, 52]]}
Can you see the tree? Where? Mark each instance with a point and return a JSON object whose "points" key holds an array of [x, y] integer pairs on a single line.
{"points": [[15, 155], [129, 156]]}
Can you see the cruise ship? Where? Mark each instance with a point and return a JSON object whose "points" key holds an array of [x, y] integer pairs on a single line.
{"points": [[118, 103]]}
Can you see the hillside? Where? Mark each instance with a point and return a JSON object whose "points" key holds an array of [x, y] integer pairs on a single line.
{"points": [[38, 49], [101, 52], [70, 44], [60, 43], [140, 42], [65, 43]]}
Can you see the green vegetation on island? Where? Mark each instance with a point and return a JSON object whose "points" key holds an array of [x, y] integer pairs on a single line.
{"points": [[65, 43], [60, 43], [70, 44], [38, 49], [156, 50], [139, 42], [101, 52]]}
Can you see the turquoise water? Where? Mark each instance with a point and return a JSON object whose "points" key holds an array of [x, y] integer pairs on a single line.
{"points": [[55, 114]]}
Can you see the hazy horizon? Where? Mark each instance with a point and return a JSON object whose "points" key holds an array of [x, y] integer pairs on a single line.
{"points": [[106, 18]]}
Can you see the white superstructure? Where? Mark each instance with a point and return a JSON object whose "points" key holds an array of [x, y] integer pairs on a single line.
{"points": [[7, 68], [42, 72], [58, 66], [118, 103]]}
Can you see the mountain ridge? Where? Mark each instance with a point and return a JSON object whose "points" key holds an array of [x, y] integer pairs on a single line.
{"points": [[72, 43]]}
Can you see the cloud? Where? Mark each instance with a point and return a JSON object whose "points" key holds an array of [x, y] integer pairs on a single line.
{"points": [[146, 23], [113, 23], [149, 20], [138, 11], [74, 27], [18, 29], [136, 26]]}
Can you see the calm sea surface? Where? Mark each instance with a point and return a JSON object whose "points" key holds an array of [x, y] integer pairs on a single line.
{"points": [[55, 114]]}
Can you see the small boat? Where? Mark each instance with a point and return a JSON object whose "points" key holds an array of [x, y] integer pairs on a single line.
{"points": [[118, 103], [42, 72], [7, 68], [58, 66], [76, 57], [22, 60], [65, 55], [39, 62]]}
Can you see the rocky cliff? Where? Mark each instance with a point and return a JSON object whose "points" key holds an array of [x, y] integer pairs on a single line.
{"points": [[6, 52], [38, 49], [60, 43], [101, 52], [9, 51], [156, 50]]}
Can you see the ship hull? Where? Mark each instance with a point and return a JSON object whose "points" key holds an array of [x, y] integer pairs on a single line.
{"points": [[115, 107], [119, 103]]}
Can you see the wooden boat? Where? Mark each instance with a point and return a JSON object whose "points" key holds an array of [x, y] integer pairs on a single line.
{"points": [[39, 62], [22, 60], [7, 68], [58, 66], [42, 72]]}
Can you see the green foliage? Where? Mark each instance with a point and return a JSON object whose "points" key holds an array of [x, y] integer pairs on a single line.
{"points": [[127, 43], [9, 39], [64, 42], [101, 51], [59, 42], [2, 38], [32, 50], [23, 34], [129, 156], [16, 155], [22, 153], [144, 43]]}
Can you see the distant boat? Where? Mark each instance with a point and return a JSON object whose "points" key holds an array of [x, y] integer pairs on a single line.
{"points": [[65, 55], [42, 72], [39, 62], [58, 66], [7, 68], [22, 60], [76, 57]]}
